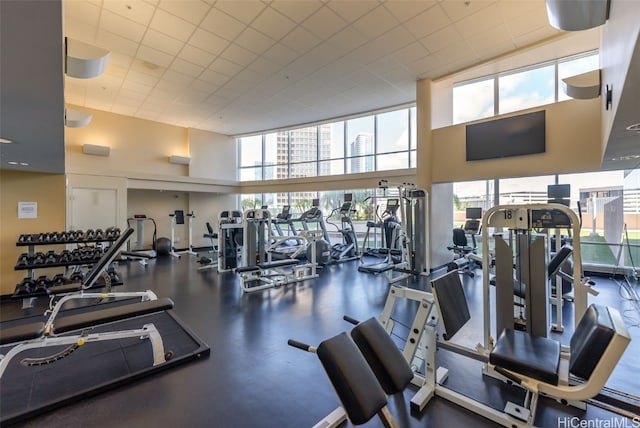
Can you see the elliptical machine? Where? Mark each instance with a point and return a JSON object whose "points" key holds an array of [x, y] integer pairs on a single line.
{"points": [[348, 249]]}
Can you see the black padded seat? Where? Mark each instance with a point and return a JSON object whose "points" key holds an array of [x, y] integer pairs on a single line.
{"points": [[102, 316], [382, 354], [533, 356], [20, 333], [65, 288], [355, 383], [590, 340]]}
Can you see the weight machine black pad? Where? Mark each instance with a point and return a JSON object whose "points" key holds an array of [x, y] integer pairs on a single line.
{"points": [[451, 303], [590, 340], [558, 259], [102, 315], [357, 387], [533, 356], [93, 368], [382, 354], [21, 332]]}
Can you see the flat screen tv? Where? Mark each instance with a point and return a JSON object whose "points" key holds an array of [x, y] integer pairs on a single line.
{"points": [[511, 136]]}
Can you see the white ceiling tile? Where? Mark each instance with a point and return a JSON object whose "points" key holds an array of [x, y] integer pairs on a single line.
{"points": [[76, 29], [427, 22], [224, 66], [190, 96], [535, 36], [192, 11], [171, 25], [350, 10], [221, 24], [196, 56], [300, 40], [87, 13], [186, 67], [238, 55], [347, 40], [441, 38], [203, 86], [264, 66], [245, 11], [421, 65], [457, 10], [154, 56], [207, 41], [123, 109], [163, 42], [139, 12], [130, 85], [411, 53], [295, 9], [479, 22], [124, 27], [324, 23], [514, 9], [280, 54], [248, 75], [273, 24], [376, 22], [214, 78], [364, 54], [254, 40], [492, 42], [533, 21], [456, 52], [116, 43], [146, 69], [116, 70], [122, 60], [139, 76], [407, 9], [394, 39]]}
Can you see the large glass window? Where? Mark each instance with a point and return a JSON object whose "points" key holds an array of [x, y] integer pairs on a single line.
{"points": [[377, 142], [525, 89], [573, 67], [472, 101]]}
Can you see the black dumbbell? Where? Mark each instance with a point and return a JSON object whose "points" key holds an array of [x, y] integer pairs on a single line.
{"points": [[90, 234], [99, 234], [76, 256], [65, 256], [23, 260], [59, 279], [39, 258], [26, 286], [77, 276], [42, 283], [51, 258]]}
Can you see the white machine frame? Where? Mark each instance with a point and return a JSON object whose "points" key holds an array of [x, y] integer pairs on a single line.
{"points": [[190, 216]]}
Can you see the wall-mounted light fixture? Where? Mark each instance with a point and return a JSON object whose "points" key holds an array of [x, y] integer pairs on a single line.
{"points": [[583, 86], [577, 15], [180, 160], [84, 61], [76, 118], [95, 150]]}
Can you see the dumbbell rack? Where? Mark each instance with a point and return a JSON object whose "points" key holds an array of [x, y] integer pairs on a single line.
{"points": [[59, 238]]}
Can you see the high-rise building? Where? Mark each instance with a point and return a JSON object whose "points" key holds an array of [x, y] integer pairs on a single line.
{"points": [[361, 150]]}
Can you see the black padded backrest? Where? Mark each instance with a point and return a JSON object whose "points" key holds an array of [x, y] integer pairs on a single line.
{"points": [[20, 333], [209, 228], [179, 214], [451, 303], [556, 261], [357, 387], [382, 354], [590, 340], [106, 259], [459, 237]]}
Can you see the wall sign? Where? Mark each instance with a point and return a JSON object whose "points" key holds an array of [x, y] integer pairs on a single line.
{"points": [[27, 210]]}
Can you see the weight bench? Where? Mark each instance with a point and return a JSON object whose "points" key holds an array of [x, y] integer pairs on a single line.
{"points": [[41, 334], [542, 366], [274, 274], [363, 370]]}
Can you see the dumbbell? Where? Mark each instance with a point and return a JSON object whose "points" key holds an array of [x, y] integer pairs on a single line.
{"points": [[59, 279], [39, 258], [113, 274], [99, 234], [51, 258], [26, 286], [23, 260], [77, 276], [90, 235], [54, 237], [79, 234], [42, 283], [25, 238], [65, 256], [76, 256]]}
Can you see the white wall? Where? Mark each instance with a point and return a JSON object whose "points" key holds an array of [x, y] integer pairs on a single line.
{"points": [[213, 155], [206, 207]]}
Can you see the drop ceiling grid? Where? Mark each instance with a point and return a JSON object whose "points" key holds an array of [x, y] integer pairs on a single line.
{"points": [[203, 58]]}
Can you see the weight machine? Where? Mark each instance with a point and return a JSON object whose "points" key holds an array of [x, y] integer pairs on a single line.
{"points": [[230, 239], [177, 217], [141, 253]]}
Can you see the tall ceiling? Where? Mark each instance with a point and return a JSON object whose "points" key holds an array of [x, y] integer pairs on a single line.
{"points": [[242, 66]]}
